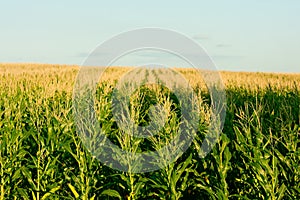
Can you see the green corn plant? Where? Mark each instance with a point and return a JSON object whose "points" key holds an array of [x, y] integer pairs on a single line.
{"points": [[42, 156]]}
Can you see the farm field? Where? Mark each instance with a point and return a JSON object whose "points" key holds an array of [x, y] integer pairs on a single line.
{"points": [[42, 157]]}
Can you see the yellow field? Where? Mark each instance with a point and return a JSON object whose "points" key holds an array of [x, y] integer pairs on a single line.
{"points": [[62, 77]]}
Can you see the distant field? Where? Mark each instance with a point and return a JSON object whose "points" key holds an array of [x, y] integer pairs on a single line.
{"points": [[42, 157], [67, 74]]}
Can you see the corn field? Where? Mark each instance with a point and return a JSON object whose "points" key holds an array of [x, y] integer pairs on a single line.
{"points": [[42, 157]]}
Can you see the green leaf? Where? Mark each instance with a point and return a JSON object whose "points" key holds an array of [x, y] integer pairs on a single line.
{"points": [[281, 191], [52, 191], [72, 188], [111, 193]]}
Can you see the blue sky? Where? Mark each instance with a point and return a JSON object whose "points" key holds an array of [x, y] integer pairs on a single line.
{"points": [[256, 35]]}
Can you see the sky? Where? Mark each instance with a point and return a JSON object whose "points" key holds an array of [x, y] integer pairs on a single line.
{"points": [[239, 35]]}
